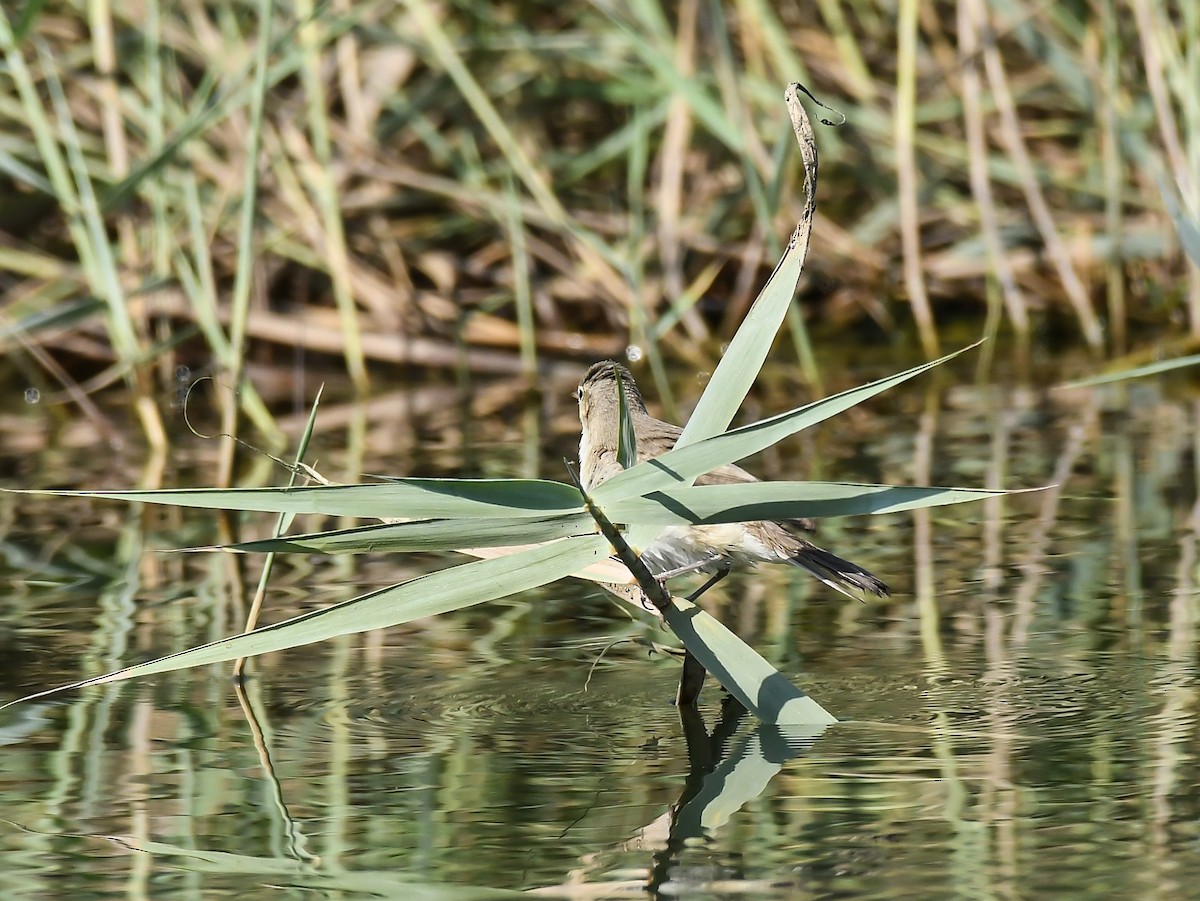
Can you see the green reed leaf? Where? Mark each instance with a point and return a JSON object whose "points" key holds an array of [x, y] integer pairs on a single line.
{"points": [[626, 437], [684, 464], [426, 535], [750, 501], [394, 498], [1136, 372], [440, 592], [741, 670]]}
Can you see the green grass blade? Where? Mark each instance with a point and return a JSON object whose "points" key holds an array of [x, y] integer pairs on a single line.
{"points": [[399, 498], [683, 464], [742, 360], [700, 504], [1136, 373], [426, 535], [440, 592], [626, 437]]}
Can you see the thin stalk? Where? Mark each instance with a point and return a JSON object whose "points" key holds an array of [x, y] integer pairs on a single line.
{"points": [[906, 173], [326, 190], [671, 161], [855, 67], [970, 13], [522, 293], [49, 152], [1111, 164], [107, 280], [243, 277], [1039, 209], [282, 524], [201, 288]]}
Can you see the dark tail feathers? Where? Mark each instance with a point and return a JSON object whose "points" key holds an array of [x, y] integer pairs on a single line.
{"points": [[837, 573]]}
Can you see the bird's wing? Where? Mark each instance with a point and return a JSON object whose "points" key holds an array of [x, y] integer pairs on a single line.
{"points": [[726, 475]]}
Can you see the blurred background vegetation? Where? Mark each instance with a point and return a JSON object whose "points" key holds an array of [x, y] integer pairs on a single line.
{"points": [[342, 187]]}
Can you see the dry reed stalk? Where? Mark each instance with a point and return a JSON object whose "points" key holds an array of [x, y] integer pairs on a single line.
{"points": [[970, 21], [906, 173], [1039, 209], [383, 171]]}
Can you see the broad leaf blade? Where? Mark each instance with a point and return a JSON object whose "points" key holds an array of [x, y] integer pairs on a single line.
{"points": [[702, 504], [683, 464], [440, 592], [741, 362], [425, 535], [741, 670], [744, 357], [746, 353], [393, 499]]}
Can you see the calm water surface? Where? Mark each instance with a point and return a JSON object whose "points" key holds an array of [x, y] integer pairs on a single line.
{"points": [[1018, 719]]}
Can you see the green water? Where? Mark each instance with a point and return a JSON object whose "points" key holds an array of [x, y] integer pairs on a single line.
{"points": [[1018, 718]]}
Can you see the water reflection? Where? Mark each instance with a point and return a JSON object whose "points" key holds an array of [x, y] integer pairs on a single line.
{"points": [[1019, 718]]}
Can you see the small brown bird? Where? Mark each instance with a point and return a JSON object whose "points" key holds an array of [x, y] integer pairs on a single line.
{"points": [[711, 548]]}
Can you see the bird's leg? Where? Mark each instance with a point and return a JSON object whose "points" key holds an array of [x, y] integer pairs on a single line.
{"points": [[690, 568], [716, 577]]}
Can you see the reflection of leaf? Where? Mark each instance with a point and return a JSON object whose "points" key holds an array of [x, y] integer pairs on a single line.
{"points": [[281, 871], [741, 777]]}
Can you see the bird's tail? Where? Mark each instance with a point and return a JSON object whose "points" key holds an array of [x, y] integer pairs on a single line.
{"points": [[840, 575]]}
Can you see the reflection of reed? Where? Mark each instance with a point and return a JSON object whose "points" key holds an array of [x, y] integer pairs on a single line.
{"points": [[955, 800], [288, 838], [998, 798], [924, 586], [992, 573], [1125, 552], [1176, 683], [1036, 548]]}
